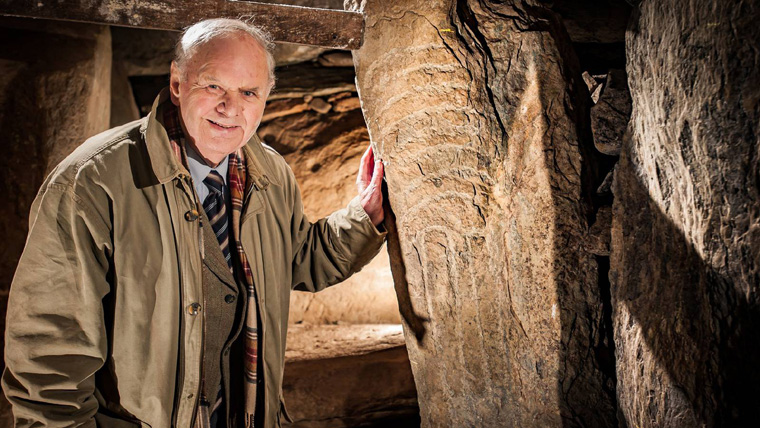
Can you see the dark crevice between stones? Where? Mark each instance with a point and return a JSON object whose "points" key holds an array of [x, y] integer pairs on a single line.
{"points": [[604, 350], [599, 58]]}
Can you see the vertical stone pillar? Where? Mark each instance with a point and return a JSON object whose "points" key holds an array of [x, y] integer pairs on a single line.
{"points": [[54, 93], [475, 107], [685, 262]]}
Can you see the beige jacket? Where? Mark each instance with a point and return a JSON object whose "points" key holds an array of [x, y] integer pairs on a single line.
{"points": [[98, 329]]}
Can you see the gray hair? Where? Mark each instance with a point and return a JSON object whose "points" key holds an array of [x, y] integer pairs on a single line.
{"points": [[205, 31]]}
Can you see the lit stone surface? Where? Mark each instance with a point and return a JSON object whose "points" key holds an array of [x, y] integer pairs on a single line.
{"points": [[477, 122], [324, 150], [686, 221]]}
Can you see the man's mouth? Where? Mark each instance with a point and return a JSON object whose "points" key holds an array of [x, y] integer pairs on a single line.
{"points": [[221, 125]]}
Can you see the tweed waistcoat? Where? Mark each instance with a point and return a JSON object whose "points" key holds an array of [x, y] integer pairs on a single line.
{"points": [[223, 312]]}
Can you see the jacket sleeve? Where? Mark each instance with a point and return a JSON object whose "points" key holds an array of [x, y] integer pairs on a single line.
{"points": [[332, 249], [55, 338]]}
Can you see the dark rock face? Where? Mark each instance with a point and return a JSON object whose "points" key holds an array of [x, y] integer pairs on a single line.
{"points": [[686, 221], [476, 109], [611, 113], [142, 52]]}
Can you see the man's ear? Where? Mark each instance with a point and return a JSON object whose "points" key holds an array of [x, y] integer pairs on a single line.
{"points": [[174, 79]]}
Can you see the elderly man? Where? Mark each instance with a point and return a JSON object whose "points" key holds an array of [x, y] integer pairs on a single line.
{"points": [[154, 287]]}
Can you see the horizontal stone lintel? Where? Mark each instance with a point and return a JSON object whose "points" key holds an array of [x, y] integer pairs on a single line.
{"points": [[293, 24]]}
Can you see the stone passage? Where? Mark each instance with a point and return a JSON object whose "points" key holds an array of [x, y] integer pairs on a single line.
{"points": [[686, 221], [476, 109]]}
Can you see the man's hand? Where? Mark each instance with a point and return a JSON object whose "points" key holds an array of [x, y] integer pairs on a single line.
{"points": [[369, 181]]}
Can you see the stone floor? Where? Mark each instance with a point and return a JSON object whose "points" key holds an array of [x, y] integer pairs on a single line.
{"points": [[349, 376]]}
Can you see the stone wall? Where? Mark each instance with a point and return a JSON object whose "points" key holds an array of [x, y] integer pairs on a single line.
{"points": [[478, 112], [463, 100], [686, 236]]}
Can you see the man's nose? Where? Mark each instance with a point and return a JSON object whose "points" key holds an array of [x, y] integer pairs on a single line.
{"points": [[229, 105]]}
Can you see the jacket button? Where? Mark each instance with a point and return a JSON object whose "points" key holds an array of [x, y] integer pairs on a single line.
{"points": [[194, 308], [229, 298], [191, 215]]}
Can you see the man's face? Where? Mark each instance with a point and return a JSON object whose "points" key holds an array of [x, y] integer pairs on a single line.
{"points": [[222, 95]]}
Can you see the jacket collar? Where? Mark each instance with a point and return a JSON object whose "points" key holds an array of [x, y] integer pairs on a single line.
{"points": [[166, 166]]}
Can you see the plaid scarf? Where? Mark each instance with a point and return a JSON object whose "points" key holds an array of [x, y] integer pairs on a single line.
{"points": [[238, 185]]}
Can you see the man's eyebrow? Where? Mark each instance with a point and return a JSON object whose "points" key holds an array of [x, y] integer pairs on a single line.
{"points": [[206, 77]]}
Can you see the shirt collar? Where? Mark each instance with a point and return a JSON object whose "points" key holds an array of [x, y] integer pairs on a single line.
{"points": [[199, 170]]}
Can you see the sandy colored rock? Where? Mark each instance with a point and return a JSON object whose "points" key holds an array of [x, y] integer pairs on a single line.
{"points": [[324, 152], [299, 80], [123, 106], [284, 107], [611, 113], [308, 341], [590, 82], [482, 137], [348, 376], [598, 241], [336, 59], [291, 53], [346, 104], [55, 94], [319, 105], [685, 256]]}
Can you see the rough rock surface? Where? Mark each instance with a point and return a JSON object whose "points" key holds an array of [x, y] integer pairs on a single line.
{"points": [[123, 106], [685, 256], [312, 80], [611, 113], [598, 241], [481, 127], [324, 152], [142, 52], [54, 93], [291, 53], [348, 376]]}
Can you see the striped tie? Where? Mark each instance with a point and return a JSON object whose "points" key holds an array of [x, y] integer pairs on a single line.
{"points": [[216, 210]]}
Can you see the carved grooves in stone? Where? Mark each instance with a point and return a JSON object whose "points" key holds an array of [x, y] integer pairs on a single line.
{"points": [[439, 102], [490, 232]]}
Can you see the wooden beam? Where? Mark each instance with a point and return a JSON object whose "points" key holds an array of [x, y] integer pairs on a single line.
{"points": [[294, 24]]}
